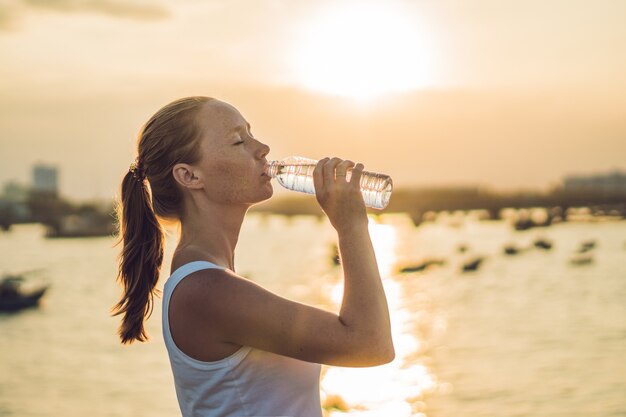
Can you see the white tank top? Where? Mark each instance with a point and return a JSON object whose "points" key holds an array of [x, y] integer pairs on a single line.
{"points": [[250, 382]]}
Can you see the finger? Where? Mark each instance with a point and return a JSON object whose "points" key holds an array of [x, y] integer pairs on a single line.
{"points": [[357, 173], [318, 173], [342, 169], [329, 171]]}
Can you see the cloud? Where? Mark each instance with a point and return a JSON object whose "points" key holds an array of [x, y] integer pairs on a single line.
{"points": [[9, 13], [6, 19], [114, 8], [12, 10]]}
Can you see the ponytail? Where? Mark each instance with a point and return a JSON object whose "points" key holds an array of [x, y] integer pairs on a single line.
{"points": [[149, 192], [140, 259]]}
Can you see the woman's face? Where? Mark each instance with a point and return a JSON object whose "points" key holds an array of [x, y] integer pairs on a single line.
{"points": [[232, 160]]}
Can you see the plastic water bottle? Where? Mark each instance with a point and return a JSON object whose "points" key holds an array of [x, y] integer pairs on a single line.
{"points": [[296, 173]]}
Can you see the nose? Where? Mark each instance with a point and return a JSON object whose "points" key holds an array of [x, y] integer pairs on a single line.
{"points": [[263, 150]]}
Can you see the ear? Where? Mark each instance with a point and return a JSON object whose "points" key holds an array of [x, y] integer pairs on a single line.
{"points": [[185, 175]]}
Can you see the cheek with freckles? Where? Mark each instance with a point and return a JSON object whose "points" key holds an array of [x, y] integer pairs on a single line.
{"points": [[231, 184]]}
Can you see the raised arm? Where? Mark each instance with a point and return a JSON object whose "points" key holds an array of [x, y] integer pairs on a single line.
{"points": [[364, 307], [237, 311]]}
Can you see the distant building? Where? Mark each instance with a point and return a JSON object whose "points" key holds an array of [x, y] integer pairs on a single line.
{"points": [[613, 182], [14, 191], [45, 179], [13, 206]]}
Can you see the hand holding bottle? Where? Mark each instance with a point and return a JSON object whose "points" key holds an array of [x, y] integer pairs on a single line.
{"points": [[341, 199], [296, 173]]}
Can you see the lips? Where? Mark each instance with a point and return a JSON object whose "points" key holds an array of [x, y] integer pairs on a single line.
{"points": [[264, 169]]}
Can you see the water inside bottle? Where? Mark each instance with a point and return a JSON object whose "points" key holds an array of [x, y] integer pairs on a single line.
{"points": [[297, 177], [375, 188]]}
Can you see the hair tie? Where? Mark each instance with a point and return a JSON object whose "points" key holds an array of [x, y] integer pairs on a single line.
{"points": [[137, 170]]}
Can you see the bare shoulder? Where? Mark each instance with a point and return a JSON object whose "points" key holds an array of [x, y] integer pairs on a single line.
{"points": [[199, 308], [209, 296], [212, 283], [206, 290]]}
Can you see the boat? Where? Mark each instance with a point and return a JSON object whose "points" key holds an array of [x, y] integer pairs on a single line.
{"points": [[462, 248], [525, 221], [512, 249], [586, 246], [542, 244], [473, 265], [581, 259], [422, 266], [15, 296]]}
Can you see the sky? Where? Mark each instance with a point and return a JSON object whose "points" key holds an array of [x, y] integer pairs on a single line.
{"points": [[496, 93]]}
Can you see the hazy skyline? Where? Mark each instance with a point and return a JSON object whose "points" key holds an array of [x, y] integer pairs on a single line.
{"points": [[503, 94]]}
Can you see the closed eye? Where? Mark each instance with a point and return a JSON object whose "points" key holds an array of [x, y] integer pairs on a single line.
{"points": [[249, 135], [248, 132]]}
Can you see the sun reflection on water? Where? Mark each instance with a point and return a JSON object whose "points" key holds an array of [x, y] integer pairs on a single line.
{"points": [[393, 389]]}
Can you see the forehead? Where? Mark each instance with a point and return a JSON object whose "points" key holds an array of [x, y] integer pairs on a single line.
{"points": [[218, 120]]}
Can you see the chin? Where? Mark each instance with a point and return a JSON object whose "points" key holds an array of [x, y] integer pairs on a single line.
{"points": [[268, 192], [264, 194]]}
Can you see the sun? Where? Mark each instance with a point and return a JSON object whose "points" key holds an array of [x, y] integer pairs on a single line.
{"points": [[362, 51]]}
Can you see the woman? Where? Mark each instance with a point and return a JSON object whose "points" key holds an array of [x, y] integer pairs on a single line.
{"points": [[235, 348]]}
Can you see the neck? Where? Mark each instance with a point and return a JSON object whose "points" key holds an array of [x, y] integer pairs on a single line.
{"points": [[212, 231]]}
